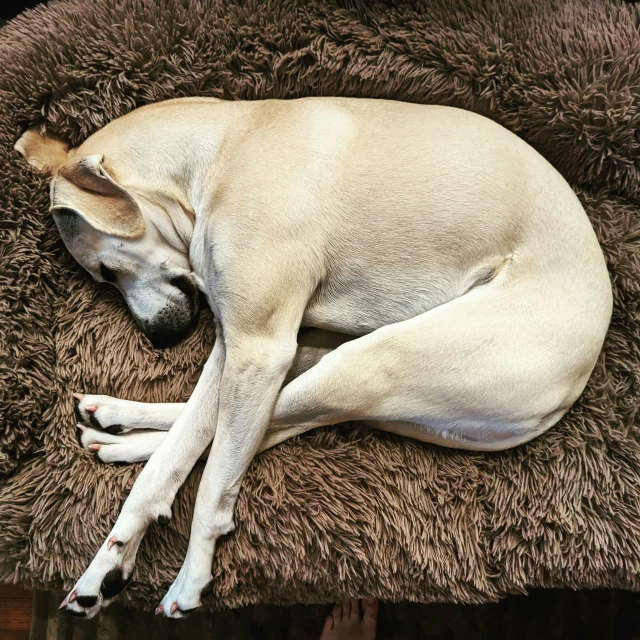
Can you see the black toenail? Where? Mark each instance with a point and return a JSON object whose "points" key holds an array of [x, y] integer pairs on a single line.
{"points": [[113, 583], [163, 520], [208, 590], [87, 601], [79, 614], [114, 429], [94, 421]]}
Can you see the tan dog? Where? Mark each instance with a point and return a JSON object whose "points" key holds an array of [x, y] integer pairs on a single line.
{"points": [[458, 258]]}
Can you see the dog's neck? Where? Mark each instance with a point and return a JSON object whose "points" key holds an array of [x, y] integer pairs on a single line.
{"points": [[171, 177]]}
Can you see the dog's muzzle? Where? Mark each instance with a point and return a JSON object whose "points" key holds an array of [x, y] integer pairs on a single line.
{"points": [[177, 321], [163, 338]]}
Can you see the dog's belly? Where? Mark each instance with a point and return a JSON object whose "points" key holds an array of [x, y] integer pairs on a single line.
{"points": [[358, 311], [351, 319], [358, 303]]}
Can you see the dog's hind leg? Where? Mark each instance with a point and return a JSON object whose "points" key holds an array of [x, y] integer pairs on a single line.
{"points": [[486, 371]]}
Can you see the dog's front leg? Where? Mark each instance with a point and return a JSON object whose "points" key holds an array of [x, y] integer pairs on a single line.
{"points": [[254, 370], [153, 492]]}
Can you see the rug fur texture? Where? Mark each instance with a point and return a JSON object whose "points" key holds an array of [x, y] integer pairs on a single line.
{"points": [[342, 511]]}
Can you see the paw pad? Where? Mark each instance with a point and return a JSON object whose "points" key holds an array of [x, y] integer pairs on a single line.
{"points": [[208, 590], [114, 429], [113, 583], [87, 601], [76, 410]]}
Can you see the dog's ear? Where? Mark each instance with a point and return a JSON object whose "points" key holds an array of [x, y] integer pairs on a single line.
{"points": [[45, 153], [84, 186]]}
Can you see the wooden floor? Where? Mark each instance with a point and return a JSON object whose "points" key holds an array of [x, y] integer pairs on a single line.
{"points": [[15, 613], [543, 615]]}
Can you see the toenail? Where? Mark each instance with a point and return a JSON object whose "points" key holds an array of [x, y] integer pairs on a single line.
{"points": [[94, 447], [159, 610], [91, 408], [112, 540], [174, 607], [72, 597]]}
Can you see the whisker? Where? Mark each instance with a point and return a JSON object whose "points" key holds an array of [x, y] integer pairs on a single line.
{"points": [[169, 257]]}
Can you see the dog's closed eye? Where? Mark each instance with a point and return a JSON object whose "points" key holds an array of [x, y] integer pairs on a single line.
{"points": [[107, 275]]}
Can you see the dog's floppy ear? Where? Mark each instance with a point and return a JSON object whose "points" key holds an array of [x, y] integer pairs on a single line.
{"points": [[84, 186], [46, 153]]}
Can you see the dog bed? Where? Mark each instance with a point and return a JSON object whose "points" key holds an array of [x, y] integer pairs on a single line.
{"points": [[342, 511]]}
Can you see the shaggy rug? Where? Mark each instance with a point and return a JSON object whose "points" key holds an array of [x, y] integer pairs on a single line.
{"points": [[342, 511]]}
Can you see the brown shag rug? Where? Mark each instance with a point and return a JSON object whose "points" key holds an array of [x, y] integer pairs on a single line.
{"points": [[342, 511]]}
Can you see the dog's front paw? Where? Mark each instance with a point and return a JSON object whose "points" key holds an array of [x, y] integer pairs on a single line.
{"points": [[102, 412], [112, 568], [107, 576], [194, 582]]}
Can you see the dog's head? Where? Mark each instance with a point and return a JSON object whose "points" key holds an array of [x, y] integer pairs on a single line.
{"points": [[126, 240]]}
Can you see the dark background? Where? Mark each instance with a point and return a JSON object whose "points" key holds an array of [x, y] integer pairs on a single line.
{"points": [[11, 8]]}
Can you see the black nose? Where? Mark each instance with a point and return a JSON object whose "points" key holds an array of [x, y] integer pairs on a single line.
{"points": [[162, 337]]}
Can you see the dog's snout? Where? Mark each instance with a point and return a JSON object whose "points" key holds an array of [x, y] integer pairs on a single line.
{"points": [[175, 319], [170, 328]]}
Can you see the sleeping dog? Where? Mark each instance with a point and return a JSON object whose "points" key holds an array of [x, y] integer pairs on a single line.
{"points": [[446, 279]]}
